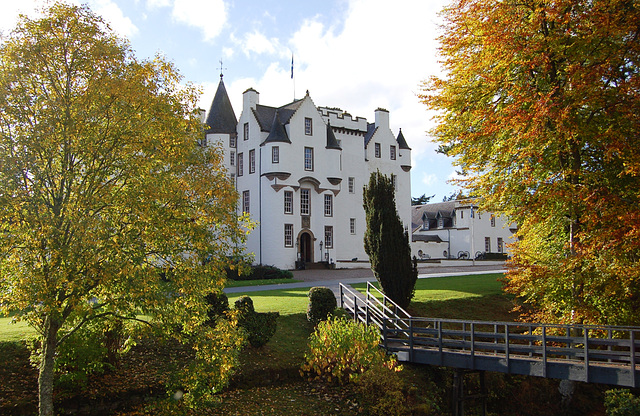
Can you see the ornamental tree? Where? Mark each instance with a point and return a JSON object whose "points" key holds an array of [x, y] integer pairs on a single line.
{"points": [[386, 243], [540, 107], [103, 191]]}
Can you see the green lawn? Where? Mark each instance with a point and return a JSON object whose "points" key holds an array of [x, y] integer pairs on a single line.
{"points": [[465, 297], [14, 331]]}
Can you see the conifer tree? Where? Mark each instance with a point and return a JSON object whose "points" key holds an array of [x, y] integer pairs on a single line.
{"points": [[386, 242]]}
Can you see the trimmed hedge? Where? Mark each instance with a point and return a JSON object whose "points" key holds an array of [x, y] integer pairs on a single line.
{"points": [[260, 327], [322, 302], [260, 272]]}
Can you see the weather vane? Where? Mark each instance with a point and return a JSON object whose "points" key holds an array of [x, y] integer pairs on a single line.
{"points": [[221, 68]]}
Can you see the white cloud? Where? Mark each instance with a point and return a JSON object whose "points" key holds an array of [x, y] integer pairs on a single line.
{"points": [[429, 179], [112, 13], [209, 16], [376, 56], [11, 9]]}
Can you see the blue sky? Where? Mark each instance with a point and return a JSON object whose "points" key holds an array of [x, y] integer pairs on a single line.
{"points": [[357, 55]]}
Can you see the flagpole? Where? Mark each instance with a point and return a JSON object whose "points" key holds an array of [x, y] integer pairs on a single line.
{"points": [[293, 79]]}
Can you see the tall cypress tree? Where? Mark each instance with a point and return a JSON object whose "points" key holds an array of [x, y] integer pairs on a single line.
{"points": [[386, 242]]}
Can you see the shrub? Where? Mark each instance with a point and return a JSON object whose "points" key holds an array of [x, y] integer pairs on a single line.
{"points": [[259, 272], [260, 327], [621, 403], [218, 306], [322, 302], [94, 349], [383, 390], [340, 350]]}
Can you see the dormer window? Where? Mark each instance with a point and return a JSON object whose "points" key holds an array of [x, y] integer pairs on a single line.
{"points": [[440, 222], [425, 222]]}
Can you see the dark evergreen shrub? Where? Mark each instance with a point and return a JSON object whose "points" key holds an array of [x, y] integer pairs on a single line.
{"points": [[260, 327], [260, 272], [386, 242], [322, 302]]}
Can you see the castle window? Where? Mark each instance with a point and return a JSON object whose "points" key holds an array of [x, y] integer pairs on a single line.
{"points": [[392, 152], [288, 202], [308, 158], [328, 205], [487, 245], [308, 126], [246, 131], [305, 206], [252, 161], [328, 236], [500, 245], [288, 235], [352, 225], [240, 164], [232, 158], [232, 141], [394, 182], [352, 185], [246, 200], [493, 220], [275, 154], [377, 150]]}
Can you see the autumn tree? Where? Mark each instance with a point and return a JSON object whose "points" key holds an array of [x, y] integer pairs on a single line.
{"points": [[107, 206], [386, 243], [540, 107]]}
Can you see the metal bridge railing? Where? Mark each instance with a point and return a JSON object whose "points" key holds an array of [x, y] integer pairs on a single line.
{"points": [[604, 354]]}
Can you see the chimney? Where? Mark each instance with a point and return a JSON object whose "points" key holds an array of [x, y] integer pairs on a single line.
{"points": [[250, 98], [382, 118]]}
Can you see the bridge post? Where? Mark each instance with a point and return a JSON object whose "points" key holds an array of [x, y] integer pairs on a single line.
{"points": [[632, 358], [459, 395]]}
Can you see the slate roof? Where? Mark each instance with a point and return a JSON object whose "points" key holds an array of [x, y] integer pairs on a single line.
{"points": [[371, 130], [332, 142], [221, 118], [277, 133], [443, 209], [402, 143], [265, 114]]}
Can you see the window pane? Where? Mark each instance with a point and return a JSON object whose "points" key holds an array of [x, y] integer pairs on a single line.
{"points": [[288, 202], [328, 237], [328, 205], [240, 164], [304, 202], [352, 185], [308, 158], [245, 201], [352, 225], [252, 161], [308, 126], [288, 235], [275, 154]]}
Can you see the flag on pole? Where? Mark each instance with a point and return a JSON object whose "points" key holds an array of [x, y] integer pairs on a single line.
{"points": [[291, 66]]}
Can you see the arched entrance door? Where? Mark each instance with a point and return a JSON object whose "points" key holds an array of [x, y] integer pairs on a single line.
{"points": [[306, 248]]}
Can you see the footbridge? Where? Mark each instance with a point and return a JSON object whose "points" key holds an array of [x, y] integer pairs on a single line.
{"points": [[587, 353]]}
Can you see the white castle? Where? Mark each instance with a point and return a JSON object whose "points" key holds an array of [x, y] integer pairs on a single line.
{"points": [[300, 171]]}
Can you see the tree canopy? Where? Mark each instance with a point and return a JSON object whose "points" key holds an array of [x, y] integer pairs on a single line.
{"points": [[540, 107], [421, 200], [107, 206]]}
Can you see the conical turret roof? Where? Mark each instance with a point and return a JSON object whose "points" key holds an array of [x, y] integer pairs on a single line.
{"points": [[221, 118]]}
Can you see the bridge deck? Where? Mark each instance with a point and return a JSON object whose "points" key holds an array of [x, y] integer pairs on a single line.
{"points": [[598, 354]]}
